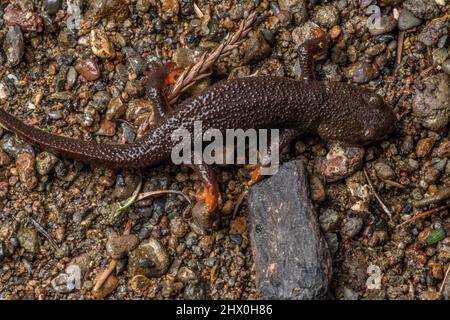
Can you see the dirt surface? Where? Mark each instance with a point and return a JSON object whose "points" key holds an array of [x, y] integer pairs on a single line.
{"points": [[72, 67]]}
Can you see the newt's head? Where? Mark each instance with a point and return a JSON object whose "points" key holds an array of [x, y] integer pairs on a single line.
{"points": [[361, 117], [378, 120]]}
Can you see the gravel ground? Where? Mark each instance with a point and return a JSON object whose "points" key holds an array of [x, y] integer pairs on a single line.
{"points": [[72, 67]]}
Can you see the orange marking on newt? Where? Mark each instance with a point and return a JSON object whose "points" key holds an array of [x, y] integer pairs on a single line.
{"points": [[210, 197], [174, 73], [256, 176]]}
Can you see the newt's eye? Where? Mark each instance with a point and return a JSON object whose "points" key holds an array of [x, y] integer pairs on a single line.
{"points": [[366, 133]]}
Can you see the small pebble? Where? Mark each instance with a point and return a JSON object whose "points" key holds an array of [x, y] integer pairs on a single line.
{"points": [[361, 72], [88, 69], [28, 239], [329, 220], [386, 24], [431, 105], [52, 6], [101, 46], [116, 109], [256, 48], [45, 161], [13, 46], [351, 228], [118, 247], [424, 146], [150, 259], [27, 21], [25, 164], [384, 171], [407, 20], [326, 16], [340, 162], [423, 9]]}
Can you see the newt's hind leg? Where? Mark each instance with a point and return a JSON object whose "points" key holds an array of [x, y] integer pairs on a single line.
{"points": [[308, 50], [157, 77], [155, 82], [285, 138], [210, 195]]}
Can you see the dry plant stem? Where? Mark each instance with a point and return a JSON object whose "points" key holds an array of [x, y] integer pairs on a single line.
{"points": [[201, 69], [239, 202], [149, 194], [112, 265], [439, 196], [444, 281], [424, 214], [105, 274], [42, 231], [383, 206], [401, 37]]}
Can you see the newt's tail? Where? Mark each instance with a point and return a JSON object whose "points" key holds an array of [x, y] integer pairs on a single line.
{"points": [[107, 155]]}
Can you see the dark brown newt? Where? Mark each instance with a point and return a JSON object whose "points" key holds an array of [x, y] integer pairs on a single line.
{"points": [[333, 110]]}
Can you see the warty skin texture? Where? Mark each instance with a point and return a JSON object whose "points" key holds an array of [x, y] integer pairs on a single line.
{"points": [[335, 111]]}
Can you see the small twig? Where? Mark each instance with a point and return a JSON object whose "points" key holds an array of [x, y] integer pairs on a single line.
{"points": [[201, 69], [198, 12], [149, 194], [401, 37], [444, 281], [105, 274], [439, 196], [375, 193], [424, 214], [239, 201], [42, 231]]}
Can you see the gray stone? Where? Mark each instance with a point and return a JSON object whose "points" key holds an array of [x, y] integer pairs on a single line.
{"points": [[291, 256], [431, 104], [424, 9], [14, 46], [52, 6], [446, 66], [150, 259], [407, 20], [329, 220], [387, 24], [326, 16], [28, 239], [351, 228]]}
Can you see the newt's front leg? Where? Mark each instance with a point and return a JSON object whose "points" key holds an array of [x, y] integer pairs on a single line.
{"points": [[285, 138], [155, 81], [308, 50]]}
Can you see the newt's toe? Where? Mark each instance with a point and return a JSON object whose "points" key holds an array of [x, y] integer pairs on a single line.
{"points": [[210, 197], [174, 73], [255, 176]]}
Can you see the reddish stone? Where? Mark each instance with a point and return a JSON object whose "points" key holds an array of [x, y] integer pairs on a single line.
{"points": [[27, 21], [88, 69]]}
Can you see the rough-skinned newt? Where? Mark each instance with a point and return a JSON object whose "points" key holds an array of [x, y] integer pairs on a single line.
{"points": [[333, 110]]}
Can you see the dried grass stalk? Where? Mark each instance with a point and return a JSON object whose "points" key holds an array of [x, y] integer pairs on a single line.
{"points": [[201, 69]]}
